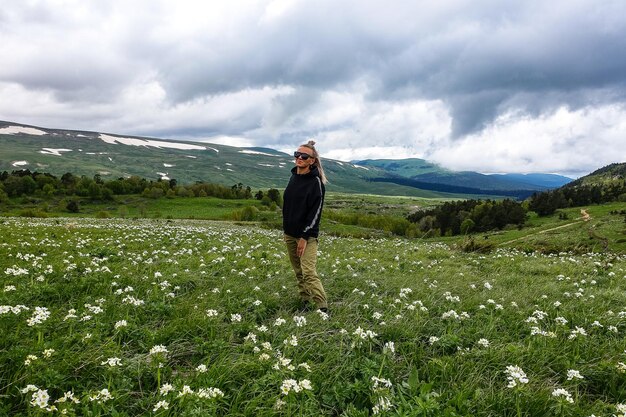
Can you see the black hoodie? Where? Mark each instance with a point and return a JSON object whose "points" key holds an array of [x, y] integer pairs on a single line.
{"points": [[302, 204]]}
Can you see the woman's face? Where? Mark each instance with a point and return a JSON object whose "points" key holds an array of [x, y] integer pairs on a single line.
{"points": [[301, 162]]}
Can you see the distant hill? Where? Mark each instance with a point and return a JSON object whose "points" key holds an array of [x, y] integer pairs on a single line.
{"points": [[57, 151], [420, 171], [407, 168], [613, 173], [541, 180]]}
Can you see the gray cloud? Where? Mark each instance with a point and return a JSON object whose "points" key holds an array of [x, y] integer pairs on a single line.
{"points": [[280, 71]]}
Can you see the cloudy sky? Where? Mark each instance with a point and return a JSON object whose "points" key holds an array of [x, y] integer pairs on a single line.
{"points": [[490, 86]]}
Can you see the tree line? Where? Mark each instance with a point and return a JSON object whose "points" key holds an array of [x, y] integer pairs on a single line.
{"points": [[548, 202], [27, 183], [469, 216]]}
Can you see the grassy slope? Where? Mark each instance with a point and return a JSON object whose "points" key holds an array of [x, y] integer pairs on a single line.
{"points": [[604, 231]]}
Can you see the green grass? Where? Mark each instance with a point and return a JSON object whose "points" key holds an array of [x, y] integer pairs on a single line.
{"points": [[207, 208], [378, 204], [456, 320]]}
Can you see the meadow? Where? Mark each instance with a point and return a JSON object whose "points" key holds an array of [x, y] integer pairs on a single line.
{"points": [[167, 317]]}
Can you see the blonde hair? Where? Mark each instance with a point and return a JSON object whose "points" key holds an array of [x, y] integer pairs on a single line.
{"points": [[318, 162]]}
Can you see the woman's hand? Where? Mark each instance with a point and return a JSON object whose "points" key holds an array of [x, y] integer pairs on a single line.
{"points": [[301, 246]]}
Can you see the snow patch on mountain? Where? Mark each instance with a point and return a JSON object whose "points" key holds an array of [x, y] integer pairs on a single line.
{"points": [[147, 142], [13, 130], [248, 151], [52, 151]]}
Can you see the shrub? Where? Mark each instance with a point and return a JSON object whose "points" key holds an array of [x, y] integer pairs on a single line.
{"points": [[472, 245], [123, 211], [246, 214], [467, 226], [31, 212], [72, 206]]}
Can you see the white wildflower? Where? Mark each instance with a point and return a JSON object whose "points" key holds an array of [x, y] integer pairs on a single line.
{"points": [[166, 389], [291, 341], [185, 391], [112, 362], [40, 398], [30, 359], [120, 324], [29, 388], [573, 374], [161, 405], [389, 347], [560, 392], [515, 376], [483, 342], [210, 393], [40, 315], [299, 320], [382, 404], [576, 332]]}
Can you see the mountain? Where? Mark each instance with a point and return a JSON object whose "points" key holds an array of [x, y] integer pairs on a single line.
{"points": [[540, 180], [58, 151], [408, 168], [422, 171]]}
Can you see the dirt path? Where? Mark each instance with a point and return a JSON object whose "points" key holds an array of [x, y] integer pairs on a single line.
{"points": [[584, 217]]}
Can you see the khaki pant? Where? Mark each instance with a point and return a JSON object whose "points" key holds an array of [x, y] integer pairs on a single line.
{"points": [[309, 285]]}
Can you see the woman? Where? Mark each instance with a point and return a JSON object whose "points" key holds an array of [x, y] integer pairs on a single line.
{"points": [[302, 208]]}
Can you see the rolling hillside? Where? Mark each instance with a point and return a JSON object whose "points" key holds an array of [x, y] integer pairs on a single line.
{"points": [[112, 156], [613, 173], [58, 151]]}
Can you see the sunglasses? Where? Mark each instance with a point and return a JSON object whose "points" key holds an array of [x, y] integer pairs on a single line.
{"points": [[301, 155]]}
